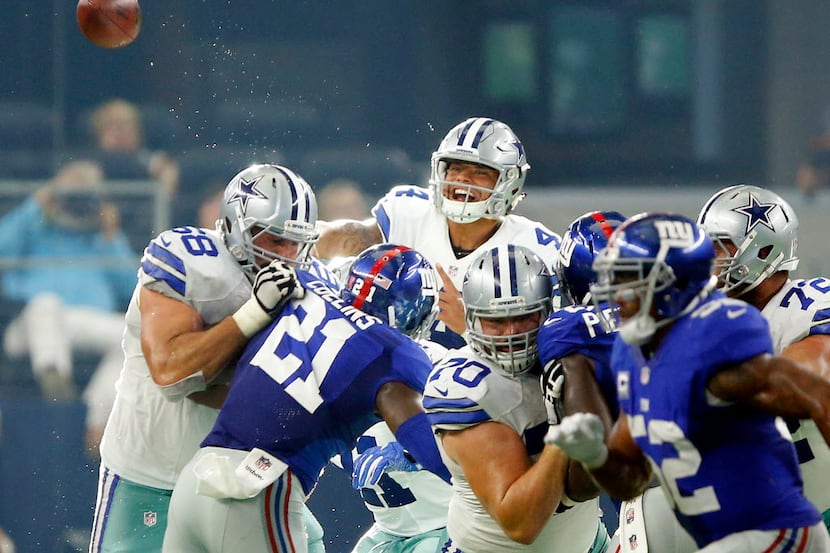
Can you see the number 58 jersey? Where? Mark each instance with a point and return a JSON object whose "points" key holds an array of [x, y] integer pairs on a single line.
{"points": [[149, 437]]}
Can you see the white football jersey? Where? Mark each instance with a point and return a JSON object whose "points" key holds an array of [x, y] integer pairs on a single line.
{"points": [[407, 215], [799, 309], [149, 438], [405, 503], [465, 390]]}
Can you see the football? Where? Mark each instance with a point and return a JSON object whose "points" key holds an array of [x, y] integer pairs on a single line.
{"points": [[109, 23]]}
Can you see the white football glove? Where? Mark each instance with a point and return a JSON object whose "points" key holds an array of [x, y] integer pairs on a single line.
{"points": [[552, 381], [582, 437], [273, 286]]}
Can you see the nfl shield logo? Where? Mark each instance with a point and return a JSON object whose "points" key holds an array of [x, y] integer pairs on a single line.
{"points": [[150, 518], [629, 515], [632, 542], [263, 464]]}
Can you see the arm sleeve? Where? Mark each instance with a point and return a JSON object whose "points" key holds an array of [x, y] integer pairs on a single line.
{"points": [[416, 435]]}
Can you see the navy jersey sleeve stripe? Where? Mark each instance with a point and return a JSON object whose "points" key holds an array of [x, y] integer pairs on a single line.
{"points": [[159, 273], [465, 418], [382, 219], [166, 257]]}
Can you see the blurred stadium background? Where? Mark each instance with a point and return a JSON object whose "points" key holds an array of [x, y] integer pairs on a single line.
{"points": [[621, 104]]}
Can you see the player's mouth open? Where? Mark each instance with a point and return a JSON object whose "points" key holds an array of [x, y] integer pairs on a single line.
{"points": [[463, 195]]}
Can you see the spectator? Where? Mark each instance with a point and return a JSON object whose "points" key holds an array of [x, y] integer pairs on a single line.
{"points": [[209, 209], [119, 146], [71, 271], [342, 199]]}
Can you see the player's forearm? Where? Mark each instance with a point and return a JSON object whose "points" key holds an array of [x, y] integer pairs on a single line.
{"points": [[208, 351], [532, 499], [622, 476]]}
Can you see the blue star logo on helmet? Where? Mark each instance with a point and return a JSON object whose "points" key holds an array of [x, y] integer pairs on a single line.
{"points": [[247, 190], [756, 213]]}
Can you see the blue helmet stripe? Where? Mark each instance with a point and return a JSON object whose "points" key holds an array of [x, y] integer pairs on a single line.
{"points": [[496, 273], [514, 285], [464, 132], [480, 132], [294, 196]]}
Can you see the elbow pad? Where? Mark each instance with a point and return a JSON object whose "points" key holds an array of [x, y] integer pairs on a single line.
{"points": [[416, 435], [184, 387]]}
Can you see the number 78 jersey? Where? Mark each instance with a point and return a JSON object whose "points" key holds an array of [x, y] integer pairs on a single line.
{"points": [[801, 309]]}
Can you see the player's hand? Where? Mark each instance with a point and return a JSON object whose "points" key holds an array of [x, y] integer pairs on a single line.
{"points": [[273, 286], [552, 381], [370, 465], [450, 304], [582, 437]]}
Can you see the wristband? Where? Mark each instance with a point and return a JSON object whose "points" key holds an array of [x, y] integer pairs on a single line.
{"points": [[251, 318]]}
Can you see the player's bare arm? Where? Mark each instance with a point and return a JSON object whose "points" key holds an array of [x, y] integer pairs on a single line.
{"points": [[176, 343], [396, 402], [813, 352], [627, 471], [520, 495], [779, 386], [345, 237], [582, 394]]}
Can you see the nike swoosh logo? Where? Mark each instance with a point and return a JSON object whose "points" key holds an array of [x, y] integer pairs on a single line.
{"points": [[165, 242], [735, 314], [442, 392], [551, 321]]}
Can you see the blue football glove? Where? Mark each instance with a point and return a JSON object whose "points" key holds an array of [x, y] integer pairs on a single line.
{"points": [[370, 465]]}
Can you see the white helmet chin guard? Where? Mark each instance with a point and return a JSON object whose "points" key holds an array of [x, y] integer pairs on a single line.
{"points": [[762, 226], [485, 142]]}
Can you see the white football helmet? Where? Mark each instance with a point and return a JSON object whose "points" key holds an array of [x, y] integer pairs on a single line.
{"points": [[762, 226], [506, 281], [486, 142], [267, 198]]}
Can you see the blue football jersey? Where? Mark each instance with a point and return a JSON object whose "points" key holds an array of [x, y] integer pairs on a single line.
{"points": [[305, 387], [577, 329], [725, 467]]}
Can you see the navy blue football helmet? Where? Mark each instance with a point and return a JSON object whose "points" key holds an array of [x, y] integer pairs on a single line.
{"points": [[663, 259], [581, 243], [395, 284]]}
